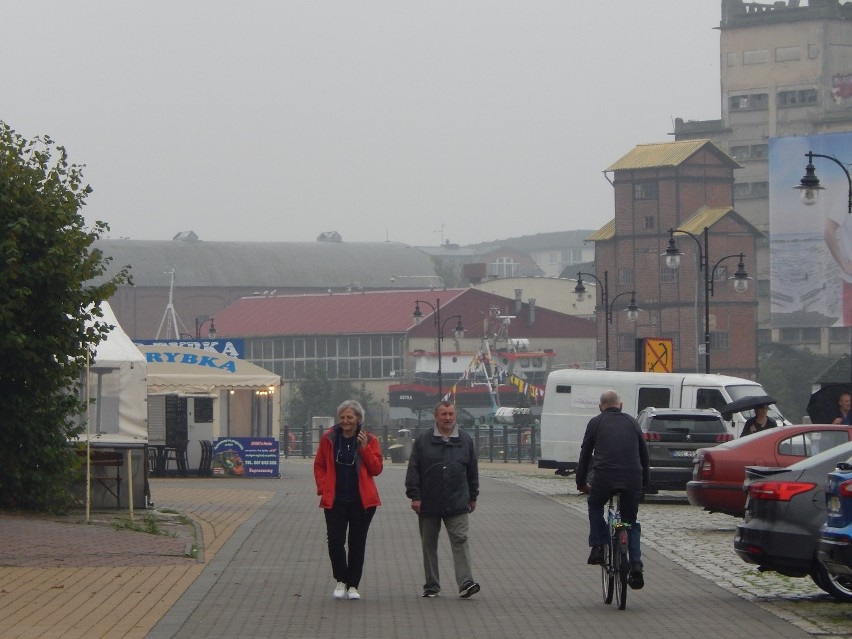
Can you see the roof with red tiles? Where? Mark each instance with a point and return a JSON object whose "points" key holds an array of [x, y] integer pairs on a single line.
{"points": [[384, 312]]}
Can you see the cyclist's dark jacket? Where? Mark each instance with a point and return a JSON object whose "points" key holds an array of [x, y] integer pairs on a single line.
{"points": [[613, 445], [443, 475]]}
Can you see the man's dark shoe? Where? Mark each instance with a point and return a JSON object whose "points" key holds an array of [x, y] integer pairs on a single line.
{"points": [[430, 592], [636, 579], [468, 589], [596, 557]]}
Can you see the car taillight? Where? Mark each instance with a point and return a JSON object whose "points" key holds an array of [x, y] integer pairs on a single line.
{"points": [[778, 490], [652, 437], [705, 467], [724, 437], [845, 488]]}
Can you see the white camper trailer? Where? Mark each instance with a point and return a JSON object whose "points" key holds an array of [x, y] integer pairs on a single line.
{"points": [[572, 396]]}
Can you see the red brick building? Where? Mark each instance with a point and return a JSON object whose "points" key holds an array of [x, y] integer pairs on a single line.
{"points": [[687, 186]]}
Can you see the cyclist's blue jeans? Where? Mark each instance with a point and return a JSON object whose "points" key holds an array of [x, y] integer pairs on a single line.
{"points": [[598, 529]]}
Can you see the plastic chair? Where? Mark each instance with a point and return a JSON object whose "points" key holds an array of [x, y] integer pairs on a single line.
{"points": [[204, 467]]}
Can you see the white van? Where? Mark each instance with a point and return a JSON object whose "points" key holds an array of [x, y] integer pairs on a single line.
{"points": [[572, 397]]}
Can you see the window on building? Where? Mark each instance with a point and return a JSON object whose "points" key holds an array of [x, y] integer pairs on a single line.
{"points": [[503, 267], [789, 335], [364, 357], [750, 152], [764, 336], [746, 190], [757, 56], [626, 341], [719, 341], [839, 334], [203, 407], [648, 222], [800, 97], [667, 275], [787, 54], [625, 276], [645, 191], [750, 102], [811, 335]]}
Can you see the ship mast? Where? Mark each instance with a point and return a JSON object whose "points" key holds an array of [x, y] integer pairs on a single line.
{"points": [[170, 318]]}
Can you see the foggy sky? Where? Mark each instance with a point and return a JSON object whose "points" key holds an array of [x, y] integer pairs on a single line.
{"points": [[391, 120]]}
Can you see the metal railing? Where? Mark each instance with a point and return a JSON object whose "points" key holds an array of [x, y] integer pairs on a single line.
{"points": [[494, 442]]}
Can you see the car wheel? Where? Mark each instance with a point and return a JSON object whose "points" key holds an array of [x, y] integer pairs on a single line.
{"points": [[838, 586]]}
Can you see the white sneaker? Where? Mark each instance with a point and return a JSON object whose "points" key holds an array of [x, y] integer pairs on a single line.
{"points": [[340, 590], [353, 593]]}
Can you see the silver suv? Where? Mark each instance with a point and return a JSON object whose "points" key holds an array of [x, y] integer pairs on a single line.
{"points": [[673, 435]]}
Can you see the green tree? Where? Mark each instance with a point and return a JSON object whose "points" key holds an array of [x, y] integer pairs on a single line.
{"points": [[791, 390], [315, 395], [46, 298]]}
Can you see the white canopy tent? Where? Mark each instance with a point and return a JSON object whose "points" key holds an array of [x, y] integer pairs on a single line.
{"points": [[116, 421], [117, 384]]}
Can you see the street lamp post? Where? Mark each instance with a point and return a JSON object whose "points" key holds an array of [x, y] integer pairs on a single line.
{"points": [[199, 324], [741, 278], [458, 332], [632, 308], [809, 189]]}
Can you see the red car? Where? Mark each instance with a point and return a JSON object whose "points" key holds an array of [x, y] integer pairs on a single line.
{"points": [[718, 472]]}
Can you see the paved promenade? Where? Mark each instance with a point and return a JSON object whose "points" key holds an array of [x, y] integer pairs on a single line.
{"points": [[263, 571]]}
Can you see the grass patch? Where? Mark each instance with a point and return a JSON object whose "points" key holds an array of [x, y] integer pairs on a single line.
{"points": [[149, 524]]}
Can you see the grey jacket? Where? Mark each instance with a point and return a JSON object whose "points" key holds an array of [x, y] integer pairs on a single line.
{"points": [[443, 475]]}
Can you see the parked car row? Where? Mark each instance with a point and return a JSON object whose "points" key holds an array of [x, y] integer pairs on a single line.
{"points": [[718, 472], [785, 510]]}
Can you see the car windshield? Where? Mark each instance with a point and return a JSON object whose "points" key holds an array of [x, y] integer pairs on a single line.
{"points": [[753, 390], [686, 424]]}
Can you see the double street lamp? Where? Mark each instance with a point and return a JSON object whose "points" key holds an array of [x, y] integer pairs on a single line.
{"points": [[741, 278], [632, 308], [809, 189], [458, 332]]}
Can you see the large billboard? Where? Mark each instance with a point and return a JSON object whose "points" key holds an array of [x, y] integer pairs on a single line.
{"points": [[810, 247]]}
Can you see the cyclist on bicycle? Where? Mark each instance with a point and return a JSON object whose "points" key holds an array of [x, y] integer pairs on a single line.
{"points": [[616, 451]]}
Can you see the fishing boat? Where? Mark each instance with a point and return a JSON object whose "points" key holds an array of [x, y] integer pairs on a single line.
{"points": [[503, 372]]}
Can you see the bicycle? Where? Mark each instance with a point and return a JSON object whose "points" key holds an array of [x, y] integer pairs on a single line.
{"points": [[616, 566]]}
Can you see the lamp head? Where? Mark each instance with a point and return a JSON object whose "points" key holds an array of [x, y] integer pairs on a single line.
{"points": [[809, 187], [459, 330], [741, 278], [672, 253], [580, 290], [417, 315], [632, 308], [212, 332]]}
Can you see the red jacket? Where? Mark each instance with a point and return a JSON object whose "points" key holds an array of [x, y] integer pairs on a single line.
{"points": [[368, 461]]}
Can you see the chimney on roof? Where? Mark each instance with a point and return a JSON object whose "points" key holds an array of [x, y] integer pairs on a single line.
{"points": [[518, 302], [531, 318]]}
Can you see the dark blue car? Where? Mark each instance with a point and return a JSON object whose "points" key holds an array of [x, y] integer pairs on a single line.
{"points": [[834, 549]]}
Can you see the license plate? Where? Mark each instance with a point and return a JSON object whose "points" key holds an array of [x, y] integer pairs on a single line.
{"points": [[683, 453], [834, 504]]}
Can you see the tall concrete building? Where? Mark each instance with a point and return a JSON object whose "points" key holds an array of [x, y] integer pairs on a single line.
{"points": [[786, 70]]}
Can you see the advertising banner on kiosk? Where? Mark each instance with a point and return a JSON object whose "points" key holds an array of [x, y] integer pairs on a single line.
{"points": [[245, 457]]}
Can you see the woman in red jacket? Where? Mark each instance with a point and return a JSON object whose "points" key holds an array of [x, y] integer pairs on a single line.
{"points": [[347, 461]]}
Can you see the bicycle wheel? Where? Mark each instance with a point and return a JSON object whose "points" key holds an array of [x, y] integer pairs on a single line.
{"points": [[622, 569], [608, 574]]}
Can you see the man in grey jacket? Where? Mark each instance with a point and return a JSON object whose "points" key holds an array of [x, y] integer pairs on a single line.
{"points": [[443, 483]]}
